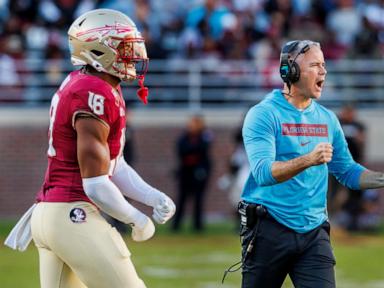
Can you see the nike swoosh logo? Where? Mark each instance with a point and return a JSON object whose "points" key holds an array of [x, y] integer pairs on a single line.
{"points": [[305, 143]]}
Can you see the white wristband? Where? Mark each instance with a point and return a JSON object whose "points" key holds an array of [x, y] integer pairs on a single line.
{"points": [[108, 198]]}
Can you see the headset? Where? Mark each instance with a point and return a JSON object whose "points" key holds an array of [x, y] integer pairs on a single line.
{"points": [[289, 69]]}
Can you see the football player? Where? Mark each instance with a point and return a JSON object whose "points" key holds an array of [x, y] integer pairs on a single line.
{"points": [[86, 172]]}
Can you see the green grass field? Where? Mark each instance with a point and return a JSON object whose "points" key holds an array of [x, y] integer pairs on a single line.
{"points": [[187, 260]]}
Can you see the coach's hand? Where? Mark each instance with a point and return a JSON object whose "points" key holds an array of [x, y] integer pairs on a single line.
{"points": [[143, 229], [322, 153], [163, 208]]}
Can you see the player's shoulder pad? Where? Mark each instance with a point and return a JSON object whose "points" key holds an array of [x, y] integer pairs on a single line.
{"points": [[85, 84]]}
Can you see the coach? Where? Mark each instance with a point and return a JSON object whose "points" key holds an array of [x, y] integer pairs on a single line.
{"points": [[292, 143]]}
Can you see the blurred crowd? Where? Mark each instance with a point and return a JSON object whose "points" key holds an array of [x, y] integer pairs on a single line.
{"points": [[188, 29], [229, 29]]}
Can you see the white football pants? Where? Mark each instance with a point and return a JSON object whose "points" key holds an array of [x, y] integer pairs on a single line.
{"points": [[78, 248]]}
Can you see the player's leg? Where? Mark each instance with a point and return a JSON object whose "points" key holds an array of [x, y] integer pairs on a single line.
{"points": [[54, 273], [315, 266], [111, 263], [94, 250]]}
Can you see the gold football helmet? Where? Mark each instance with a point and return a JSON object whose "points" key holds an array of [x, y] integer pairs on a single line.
{"points": [[109, 41]]}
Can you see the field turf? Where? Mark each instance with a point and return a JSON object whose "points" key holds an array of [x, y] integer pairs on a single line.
{"points": [[188, 260]]}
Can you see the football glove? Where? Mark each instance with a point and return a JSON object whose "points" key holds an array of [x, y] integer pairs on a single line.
{"points": [[163, 208]]}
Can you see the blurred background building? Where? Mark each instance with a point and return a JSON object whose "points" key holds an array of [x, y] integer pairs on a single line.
{"points": [[214, 57]]}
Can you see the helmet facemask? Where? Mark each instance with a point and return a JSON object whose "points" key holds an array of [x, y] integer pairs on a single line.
{"points": [[131, 59]]}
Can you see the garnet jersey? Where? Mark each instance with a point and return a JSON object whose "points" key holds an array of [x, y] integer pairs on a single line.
{"points": [[79, 94]]}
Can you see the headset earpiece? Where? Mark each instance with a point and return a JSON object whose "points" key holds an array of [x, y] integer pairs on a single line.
{"points": [[295, 72], [289, 69]]}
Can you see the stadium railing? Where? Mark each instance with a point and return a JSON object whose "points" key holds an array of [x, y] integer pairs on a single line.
{"points": [[201, 83]]}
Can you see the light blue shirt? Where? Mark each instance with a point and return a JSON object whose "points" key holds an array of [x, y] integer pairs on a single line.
{"points": [[274, 130]]}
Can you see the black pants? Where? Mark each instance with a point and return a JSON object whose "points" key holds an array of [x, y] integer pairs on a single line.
{"points": [[278, 251], [190, 189]]}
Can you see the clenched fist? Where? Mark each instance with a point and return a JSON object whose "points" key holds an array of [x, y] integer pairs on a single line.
{"points": [[163, 208], [322, 153], [143, 229]]}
